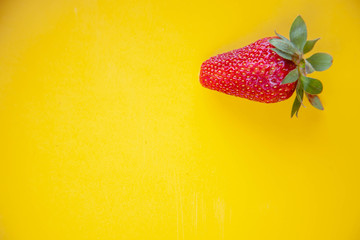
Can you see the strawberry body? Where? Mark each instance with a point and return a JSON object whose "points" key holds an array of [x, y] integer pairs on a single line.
{"points": [[254, 72]]}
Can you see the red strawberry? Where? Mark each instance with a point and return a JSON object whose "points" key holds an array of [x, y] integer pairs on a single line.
{"points": [[269, 70], [254, 72]]}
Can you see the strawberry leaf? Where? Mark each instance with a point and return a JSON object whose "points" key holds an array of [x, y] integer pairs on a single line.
{"points": [[298, 33], [309, 45], [315, 101], [286, 47], [282, 54], [295, 107], [308, 67], [311, 85], [291, 77], [300, 94], [282, 37], [320, 61]]}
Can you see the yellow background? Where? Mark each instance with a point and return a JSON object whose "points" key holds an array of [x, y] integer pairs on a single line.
{"points": [[106, 132]]}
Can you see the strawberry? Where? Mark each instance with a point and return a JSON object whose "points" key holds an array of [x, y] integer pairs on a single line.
{"points": [[269, 70], [254, 72]]}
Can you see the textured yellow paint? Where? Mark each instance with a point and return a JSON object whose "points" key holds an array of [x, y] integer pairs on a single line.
{"points": [[107, 134]]}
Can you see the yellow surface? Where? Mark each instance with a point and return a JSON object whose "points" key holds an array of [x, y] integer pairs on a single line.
{"points": [[106, 132]]}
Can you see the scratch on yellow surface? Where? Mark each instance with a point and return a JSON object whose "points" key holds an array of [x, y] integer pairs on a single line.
{"points": [[196, 212], [219, 206], [106, 132], [179, 208]]}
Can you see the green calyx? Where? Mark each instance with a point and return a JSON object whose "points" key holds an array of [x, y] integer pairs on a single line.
{"points": [[294, 50]]}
